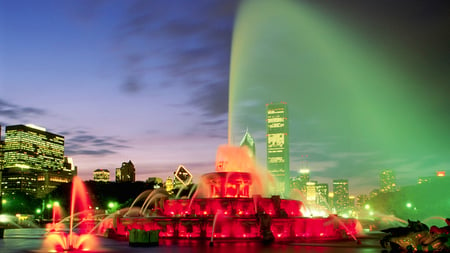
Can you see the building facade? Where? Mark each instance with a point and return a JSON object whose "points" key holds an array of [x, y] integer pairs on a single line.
{"points": [[33, 161], [126, 173], [322, 195], [101, 175], [304, 176], [387, 181], [278, 147], [249, 142], [340, 195]]}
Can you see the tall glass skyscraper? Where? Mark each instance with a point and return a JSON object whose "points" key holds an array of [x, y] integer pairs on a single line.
{"points": [[278, 147], [34, 160]]}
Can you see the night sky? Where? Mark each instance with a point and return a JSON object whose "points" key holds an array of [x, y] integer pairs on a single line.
{"points": [[367, 82]]}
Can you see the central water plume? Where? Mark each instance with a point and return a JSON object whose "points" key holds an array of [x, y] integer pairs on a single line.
{"points": [[80, 209], [346, 95]]}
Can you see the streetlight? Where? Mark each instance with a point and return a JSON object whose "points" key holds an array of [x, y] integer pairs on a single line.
{"points": [[112, 206]]}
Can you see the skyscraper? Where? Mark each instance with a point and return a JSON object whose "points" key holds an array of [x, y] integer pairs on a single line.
{"points": [[1, 154], [278, 147], [341, 195], [387, 181], [304, 178], [1, 168], [34, 161], [322, 195], [311, 192], [249, 142]]}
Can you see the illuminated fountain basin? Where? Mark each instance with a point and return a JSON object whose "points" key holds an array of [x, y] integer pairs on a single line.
{"points": [[60, 240], [226, 205]]}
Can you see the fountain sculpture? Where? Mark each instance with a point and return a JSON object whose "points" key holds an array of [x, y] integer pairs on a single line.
{"points": [[417, 237], [228, 204]]}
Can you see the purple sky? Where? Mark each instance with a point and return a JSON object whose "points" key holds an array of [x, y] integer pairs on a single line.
{"points": [[147, 81]]}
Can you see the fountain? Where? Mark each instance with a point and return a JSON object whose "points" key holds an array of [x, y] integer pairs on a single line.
{"points": [[58, 240], [417, 237], [228, 204]]}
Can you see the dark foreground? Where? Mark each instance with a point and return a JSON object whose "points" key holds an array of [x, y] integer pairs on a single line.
{"points": [[30, 240]]}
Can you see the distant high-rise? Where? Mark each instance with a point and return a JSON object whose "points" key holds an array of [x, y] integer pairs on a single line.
{"points": [[304, 178], [101, 175], [1, 168], [1, 154], [249, 142], [361, 201], [341, 195], [34, 161], [322, 195], [278, 147], [387, 181], [126, 173], [311, 192]]}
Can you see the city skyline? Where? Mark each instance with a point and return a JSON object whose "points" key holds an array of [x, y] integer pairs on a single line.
{"points": [[148, 82]]}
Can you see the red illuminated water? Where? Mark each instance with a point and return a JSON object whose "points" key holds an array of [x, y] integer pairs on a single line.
{"points": [[58, 240], [229, 204]]}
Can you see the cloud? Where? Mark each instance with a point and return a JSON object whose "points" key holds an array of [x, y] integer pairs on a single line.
{"points": [[308, 148], [212, 99], [97, 152], [151, 169], [19, 113], [82, 143], [322, 166], [132, 85], [193, 39]]}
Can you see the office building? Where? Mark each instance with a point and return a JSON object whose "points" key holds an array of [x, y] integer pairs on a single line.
{"points": [[33, 161], [278, 147], [387, 181], [101, 175], [249, 142], [361, 201], [322, 195], [2, 143], [126, 173], [340, 195], [304, 176], [1, 151], [311, 193]]}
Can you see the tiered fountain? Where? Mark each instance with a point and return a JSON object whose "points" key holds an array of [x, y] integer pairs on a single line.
{"points": [[228, 204]]}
